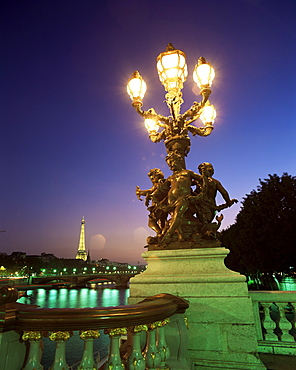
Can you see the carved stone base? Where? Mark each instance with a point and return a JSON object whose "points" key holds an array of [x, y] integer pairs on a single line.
{"points": [[220, 316], [203, 243]]}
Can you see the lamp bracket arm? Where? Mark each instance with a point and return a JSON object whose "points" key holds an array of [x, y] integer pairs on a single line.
{"points": [[139, 110], [164, 125], [156, 137], [187, 123], [151, 114], [205, 93], [201, 131], [163, 119], [193, 112]]}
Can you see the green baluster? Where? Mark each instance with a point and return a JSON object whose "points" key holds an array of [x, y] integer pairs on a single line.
{"points": [[114, 361], [162, 345], [60, 337], [284, 324], [136, 360], [153, 358], [268, 324], [34, 338], [87, 362]]}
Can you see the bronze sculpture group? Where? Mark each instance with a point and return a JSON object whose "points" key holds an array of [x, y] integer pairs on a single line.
{"points": [[183, 206]]}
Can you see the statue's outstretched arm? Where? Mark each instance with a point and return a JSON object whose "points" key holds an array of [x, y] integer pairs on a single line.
{"points": [[140, 192], [225, 194]]}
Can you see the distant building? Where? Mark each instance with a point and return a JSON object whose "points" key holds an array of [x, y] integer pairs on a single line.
{"points": [[18, 255], [81, 253], [47, 257], [101, 262]]}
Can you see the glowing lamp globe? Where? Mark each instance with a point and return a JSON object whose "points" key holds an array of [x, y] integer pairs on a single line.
{"points": [[136, 87], [151, 125], [203, 74], [208, 115], [172, 68]]}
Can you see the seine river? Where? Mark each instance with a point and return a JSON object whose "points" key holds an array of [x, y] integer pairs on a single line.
{"points": [[81, 297]]}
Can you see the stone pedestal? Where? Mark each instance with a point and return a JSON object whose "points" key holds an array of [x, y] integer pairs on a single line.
{"points": [[12, 351], [220, 316]]}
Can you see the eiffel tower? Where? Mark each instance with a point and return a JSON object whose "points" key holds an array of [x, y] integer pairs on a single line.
{"points": [[81, 253]]}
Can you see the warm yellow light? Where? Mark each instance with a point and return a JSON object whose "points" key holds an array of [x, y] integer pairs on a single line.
{"points": [[208, 114], [172, 68], [151, 125], [203, 74], [136, 87]]}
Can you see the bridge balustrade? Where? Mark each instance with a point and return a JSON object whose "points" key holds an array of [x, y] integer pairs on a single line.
{"points": [[275, 318], [154, 328]]}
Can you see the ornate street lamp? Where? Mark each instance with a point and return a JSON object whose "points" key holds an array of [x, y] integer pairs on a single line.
{"points": [[182, 207], [172, 72], [136, 88]]}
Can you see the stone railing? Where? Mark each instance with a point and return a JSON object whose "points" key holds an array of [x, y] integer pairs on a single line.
{"points": [[275, 318], [145, 325]]}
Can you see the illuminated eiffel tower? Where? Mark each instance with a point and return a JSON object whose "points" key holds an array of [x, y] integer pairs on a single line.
{"points": [[81, 253]]}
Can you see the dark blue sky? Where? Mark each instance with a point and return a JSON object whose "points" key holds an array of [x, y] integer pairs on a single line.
{"points": [[71, 145]]}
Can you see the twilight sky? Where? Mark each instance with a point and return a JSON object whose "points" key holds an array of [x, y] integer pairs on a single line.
{"points": [[71, 145]]}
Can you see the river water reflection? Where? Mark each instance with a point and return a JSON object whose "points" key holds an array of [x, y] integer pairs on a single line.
{"points": [[288, 283], [75, 298]]}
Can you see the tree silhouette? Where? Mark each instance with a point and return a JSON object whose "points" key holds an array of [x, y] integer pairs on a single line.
{"points": [[263, 237]]}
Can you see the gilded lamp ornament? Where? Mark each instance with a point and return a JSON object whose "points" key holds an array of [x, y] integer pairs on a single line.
{"points": [[182, 207], [172, 72]]}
